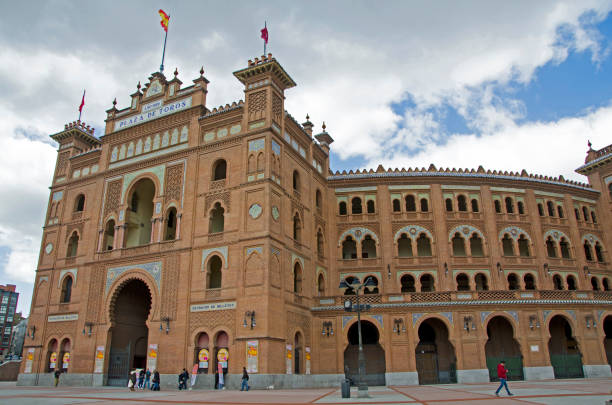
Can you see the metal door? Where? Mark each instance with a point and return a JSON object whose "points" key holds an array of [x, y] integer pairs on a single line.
{"points": [[567, 365], [513, 364], [427, 364], [119, 366]]}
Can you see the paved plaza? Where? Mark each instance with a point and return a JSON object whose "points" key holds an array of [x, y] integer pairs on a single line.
{"points": [[561, 392]]}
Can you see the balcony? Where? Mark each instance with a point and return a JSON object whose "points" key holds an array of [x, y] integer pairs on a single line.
{"points": [[217, 184], [519, 260], [413, 261], [411, 216], [463, 215], [357, 263], [215, 237], [212, 293], [77, 215], [460, 260]]}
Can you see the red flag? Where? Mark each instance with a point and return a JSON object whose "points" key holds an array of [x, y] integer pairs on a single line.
{"points": [[82, 103], [165, 18], [264, 34]]}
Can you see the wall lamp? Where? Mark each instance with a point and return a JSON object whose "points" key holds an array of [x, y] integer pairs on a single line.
{"points": [[251, 315], [88, 326], [389, 271], [398, 326], [31, 332], [167, 321], [328, 329], [499, 267], [587, 272], [590, 321], [546, 269], [534, 322], [468, 324], [445, 269]]}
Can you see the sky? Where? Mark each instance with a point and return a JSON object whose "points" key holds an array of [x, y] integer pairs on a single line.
{"points": [[506, 85]]}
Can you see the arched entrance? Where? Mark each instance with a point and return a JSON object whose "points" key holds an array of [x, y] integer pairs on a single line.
{"points": [[608, 339], [372, 350], [202, 353], [435, 355], [129, 332], [297, 353], [502, 346], [565, 357], [139, 214]]}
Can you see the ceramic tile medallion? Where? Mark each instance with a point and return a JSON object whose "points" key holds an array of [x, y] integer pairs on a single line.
{"points": [[255, 211], [275, 213], [49, 248]]}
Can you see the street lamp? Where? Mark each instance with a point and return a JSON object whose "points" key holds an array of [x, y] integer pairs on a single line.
{"points": [[348, 306]]}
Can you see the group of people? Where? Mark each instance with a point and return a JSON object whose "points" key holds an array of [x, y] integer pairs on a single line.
{"points": [[141, 379]]}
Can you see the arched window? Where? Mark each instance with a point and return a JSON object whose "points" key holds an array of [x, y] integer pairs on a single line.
{"points": [[474, 205], [560, 211], [342, 208], [497, 205], [610, 189], [368, 248], [410, 203], [587, 251], [540, 209], [356, 206], [557, 282], [66, 289], [458, 245], [598, 252], [461, 203], [320, 243], [373, 289], [73, 245], [216, 220], [571, 282], [564, 247], [260, 162], [370, 206], [79, 203], [424, 205], [551, 208], [551, 247], [213, 278], [513, 282], [449, 205], [595, 283], [396, 205], [577, 213], [404, 246], [321, 286], [476, 246], [296, 180], [427, 283], [523, 245], [521, 208], [297, 227], [220, 170], [463, 282], [423, 245], [109, 235], [350, 280], [509, 205], [349, 248], [138, 218], [407, 282], [605, 284], [508, 246], [170, 232], [593, 217], [585, 214], [481, 282], [529, 282], [318, 199], [297, 278]]}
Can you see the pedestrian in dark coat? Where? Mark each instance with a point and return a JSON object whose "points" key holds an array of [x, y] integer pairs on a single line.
{"points": [[245, 380], [155, 381]]}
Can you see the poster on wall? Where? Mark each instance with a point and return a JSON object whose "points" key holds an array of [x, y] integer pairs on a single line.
{"points": [[222, 357], [66, 360], [307, 360], [29, 360], [203, 358], [152, 357], [289, 357], [53, 360], [99, 359], [252, 348]]}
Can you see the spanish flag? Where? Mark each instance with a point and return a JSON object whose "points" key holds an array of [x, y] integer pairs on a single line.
{"points": [[165, 18]]}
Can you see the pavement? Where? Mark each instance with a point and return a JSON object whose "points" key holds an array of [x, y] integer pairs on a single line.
{"points": [[557, 392]]}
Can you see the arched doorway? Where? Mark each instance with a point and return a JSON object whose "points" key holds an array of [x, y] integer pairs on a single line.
{"points": [[502, 346], [565, 357], [202, 353], [435, 355], [221, 354], [372, 350], [297, 353], [139, 214], [607, 325], [129, 332]]}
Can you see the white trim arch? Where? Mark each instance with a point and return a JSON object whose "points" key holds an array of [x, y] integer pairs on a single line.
{"points": [[556, 235], [358, 233], [413, 232], [589, 237], [466, 231], [515, 232]]}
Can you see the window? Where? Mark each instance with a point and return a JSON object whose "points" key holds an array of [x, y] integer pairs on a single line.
{"points": [[220, 170], [560, 211], [587, 251], [66, 290], [551, 248], [598, 252], [109, 235], [321, 285], [213, 278], [509, 205], [571, 282], [423, 245], [404, 246], [320, 243], [216, 220], [529, 282], [551, 208], [461, 203], [605, 284], [463, 282], [318, 199], [368, 248], [476, 246], [458, 245], [427, 283], [73, 245], [297, 227], [508, 246], [297, 278], [595, 283], [593, 217], [410, 203], [424, 205], [497, 205], [585, 214], [481, 282], [370, 206], [79, 203], [170, 231], [474, 205], [557, 282], [342, 208], [349, 248], [449, 205], [296, 180], [540, 209], [523, 245], [407, 282], [513, 282], [350, 280], [564, 246], [356, 206], [396, 205], [521, 208], [138, 221], [577, 213], [374, 289]]}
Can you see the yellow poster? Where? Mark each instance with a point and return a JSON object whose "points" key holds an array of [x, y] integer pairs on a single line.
{"points": [[203, 356], [252, 348], [66, 360]]}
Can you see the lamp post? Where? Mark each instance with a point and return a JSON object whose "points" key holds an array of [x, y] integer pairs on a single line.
{"points": [[348, 306]]}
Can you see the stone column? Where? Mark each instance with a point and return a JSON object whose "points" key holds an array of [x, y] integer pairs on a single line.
{"points": [[178, 226], [100, 239]]}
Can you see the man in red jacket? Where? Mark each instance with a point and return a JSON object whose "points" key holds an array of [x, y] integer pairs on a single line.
{"points": [[502, 373]]}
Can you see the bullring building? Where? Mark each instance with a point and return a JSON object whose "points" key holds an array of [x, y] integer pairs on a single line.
{"points": [[219, 236]]}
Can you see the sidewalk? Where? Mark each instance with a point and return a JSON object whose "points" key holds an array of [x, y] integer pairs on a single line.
{"points": [[557, 392]]}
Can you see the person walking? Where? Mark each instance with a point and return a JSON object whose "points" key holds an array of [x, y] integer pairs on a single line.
{"points": [[132, 380], [502, 373], [141, 378], [57, 374], [147, 379], [155, 381], [245, 380], [182, 378]]}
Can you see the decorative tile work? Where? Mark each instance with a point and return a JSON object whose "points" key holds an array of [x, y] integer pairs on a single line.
{"points": [[153, 268], [483, 316], [416, 317], [64, 272], [275, 147], [572, 313], [545, 314], [513, 314], [514, 232], [556, 235], [46, 278], [599, 313], [448, 315], [355, 189], [234, 129], [295, 257], [357, 233], [222, 250], [157, 171], [257, 145], [591, 238], [275, 251], [413, 232], [58, 195], [258, 249], [379, 319], [466, 230], [152, 155]]}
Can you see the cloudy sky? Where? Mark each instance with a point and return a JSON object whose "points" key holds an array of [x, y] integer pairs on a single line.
{"points": [[506, 85]]}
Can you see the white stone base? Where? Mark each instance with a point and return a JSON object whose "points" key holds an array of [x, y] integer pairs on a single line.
{"points": [[539, 373], [473, 376], [402, 378], [596, 371]]}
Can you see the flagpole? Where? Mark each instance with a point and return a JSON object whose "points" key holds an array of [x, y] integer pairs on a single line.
{"points": [[265, 41], [161, 67], [82, 104]]}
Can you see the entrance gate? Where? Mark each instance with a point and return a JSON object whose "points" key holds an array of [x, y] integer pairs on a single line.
{"points": [[567, 365], [373, 353], [501, 345], [119, 366], [565, 357], [513, 364], [435, 355]]}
